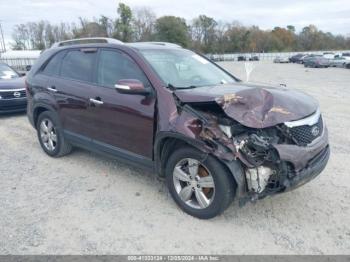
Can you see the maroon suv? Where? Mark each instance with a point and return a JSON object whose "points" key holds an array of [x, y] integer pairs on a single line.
{"points": [[166, 108]]}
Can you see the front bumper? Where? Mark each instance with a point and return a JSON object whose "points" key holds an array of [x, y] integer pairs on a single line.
{"points": [[13, 105], [314, 167], [299, 156], [296, 166]]}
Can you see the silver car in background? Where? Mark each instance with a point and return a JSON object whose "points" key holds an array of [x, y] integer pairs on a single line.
{"points": [[339, 61], [280, 59]]}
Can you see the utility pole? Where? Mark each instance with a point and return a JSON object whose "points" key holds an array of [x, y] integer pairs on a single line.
{"points": [[2, 40]]}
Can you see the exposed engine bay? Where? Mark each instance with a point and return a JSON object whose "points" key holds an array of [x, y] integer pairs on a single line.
{"points": [[257, 148]]}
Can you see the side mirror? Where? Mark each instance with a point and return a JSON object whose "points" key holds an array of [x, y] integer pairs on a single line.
{"points": [[131, 86], [28, 67]]}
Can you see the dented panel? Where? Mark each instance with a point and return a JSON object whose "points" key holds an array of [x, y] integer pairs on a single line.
{"points": [[255, 136], [263, 141], [254, 106]]}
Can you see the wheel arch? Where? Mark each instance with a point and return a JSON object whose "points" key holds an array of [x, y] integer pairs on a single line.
{"points": [[167, 142], [40, 108]]}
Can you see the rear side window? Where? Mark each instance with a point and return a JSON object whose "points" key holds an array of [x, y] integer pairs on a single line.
{"points": [[78, 65], [53, 66], [114, 66]]}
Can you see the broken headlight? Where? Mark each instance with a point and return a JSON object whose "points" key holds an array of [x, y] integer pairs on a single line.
{"points": [[226, 130]]}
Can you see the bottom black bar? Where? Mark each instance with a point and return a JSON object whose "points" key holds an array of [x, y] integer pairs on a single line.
{"points": [[228, 258]]}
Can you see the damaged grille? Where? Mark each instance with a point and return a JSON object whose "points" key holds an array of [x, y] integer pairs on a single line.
{"points": [[304, 135]]}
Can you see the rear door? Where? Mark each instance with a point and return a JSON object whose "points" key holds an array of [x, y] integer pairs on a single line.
{"points": [[121, 122], [72, 90]]}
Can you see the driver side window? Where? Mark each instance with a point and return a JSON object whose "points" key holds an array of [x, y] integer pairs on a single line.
{"points": [[114, 65]]}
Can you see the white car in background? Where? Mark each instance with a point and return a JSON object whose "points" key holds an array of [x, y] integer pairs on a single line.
{"points": [[280, 59], [329, 55], [346, 56]]}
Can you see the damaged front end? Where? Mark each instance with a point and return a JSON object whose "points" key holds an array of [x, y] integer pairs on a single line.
{"points": [[275, 155]]}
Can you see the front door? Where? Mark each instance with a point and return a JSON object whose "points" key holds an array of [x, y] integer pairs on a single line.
{"points": [[122, 122]]}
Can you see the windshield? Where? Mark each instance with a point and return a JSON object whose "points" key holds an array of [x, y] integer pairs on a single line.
{"points": [[181, 68], [7, 72]]}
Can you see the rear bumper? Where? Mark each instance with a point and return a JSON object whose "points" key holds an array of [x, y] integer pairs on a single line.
{"points": [[13, 105]]}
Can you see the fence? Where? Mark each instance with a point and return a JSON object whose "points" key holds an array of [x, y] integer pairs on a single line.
{"points": [[20, 64], [267, 56]]}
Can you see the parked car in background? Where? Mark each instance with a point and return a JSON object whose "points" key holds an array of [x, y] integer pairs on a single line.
{"points": [[346, 56], [281, 59], [12, 90], [316, 62], [328, 55], [217, 58], [301, 60], [338, 61], [213, 137], [306, 58], [296, 58], [241, 58], [254, 58]]}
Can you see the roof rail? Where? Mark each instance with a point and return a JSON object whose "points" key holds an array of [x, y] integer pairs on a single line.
{"points": [[157, 43], [88, 40]]}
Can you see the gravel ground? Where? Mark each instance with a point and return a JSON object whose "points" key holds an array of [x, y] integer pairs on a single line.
{"points": [[87, 204]]}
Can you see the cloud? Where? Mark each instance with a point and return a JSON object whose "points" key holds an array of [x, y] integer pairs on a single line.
{"points": [[327, 15]]}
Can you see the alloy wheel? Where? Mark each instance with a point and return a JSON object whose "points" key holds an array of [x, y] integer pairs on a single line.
{"points": [[48, 134], [193, 183]]}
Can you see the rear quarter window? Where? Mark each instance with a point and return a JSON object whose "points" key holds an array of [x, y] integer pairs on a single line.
{"points": [[78, 65], [53, 66]]}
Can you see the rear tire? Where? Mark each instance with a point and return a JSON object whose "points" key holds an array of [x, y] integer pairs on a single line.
{"points": [[50, 135], [202, 186]]}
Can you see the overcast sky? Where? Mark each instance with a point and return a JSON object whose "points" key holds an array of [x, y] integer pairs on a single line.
{"points": [[327, 15]]}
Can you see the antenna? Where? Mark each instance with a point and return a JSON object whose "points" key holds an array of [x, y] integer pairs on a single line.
{"points": [[2, 40]]}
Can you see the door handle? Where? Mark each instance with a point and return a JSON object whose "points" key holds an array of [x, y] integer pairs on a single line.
{"points": [[52, 89], [96, 101]]}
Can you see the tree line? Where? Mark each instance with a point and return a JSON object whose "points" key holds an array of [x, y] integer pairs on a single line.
{"points": [[203, 33]]}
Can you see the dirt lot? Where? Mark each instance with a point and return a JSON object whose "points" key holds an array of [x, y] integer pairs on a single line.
{"points": [[88, 204]]}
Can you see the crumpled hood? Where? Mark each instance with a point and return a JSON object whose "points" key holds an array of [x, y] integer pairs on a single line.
{"points": [[15, 83], [252, 105]]}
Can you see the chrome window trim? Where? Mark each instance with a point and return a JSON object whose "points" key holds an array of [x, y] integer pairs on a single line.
{"points": [[309, 121]]}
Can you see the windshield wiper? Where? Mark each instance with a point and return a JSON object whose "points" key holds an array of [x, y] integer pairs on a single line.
{"points": [[170, 86]]}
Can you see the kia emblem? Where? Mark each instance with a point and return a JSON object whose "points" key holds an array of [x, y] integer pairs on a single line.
{"points": [[315, 131]]}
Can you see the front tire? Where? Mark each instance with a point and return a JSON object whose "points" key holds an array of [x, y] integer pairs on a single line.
{"points": [[199, 183], [50, 135]]}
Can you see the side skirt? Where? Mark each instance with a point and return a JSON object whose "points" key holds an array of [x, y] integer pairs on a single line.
{"points": [[109, 150]]}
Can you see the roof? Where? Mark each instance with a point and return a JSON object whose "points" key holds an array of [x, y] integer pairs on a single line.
{"points": [[96, 41], [87, 40]]}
